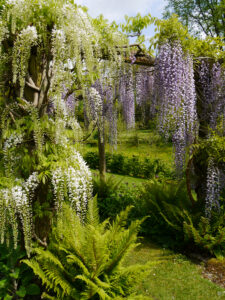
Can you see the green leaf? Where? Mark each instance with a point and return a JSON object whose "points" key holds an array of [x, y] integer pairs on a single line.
{"points": [[8, 297], [21, 292], [3, 283], [15, 274], [33, 289]]}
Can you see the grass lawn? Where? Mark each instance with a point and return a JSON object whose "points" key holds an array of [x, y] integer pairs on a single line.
{"points": [[175, 278], [124, 179], [143, 143]]}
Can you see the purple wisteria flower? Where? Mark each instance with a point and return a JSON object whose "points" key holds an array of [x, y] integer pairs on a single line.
{"points": [[175, 98]]}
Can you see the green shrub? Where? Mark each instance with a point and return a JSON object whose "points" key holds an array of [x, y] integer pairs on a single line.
{"points": [[175, 222], [113, 196], [92, 160], [132, 166], [116, 164], [84, 259], [207, 234]]}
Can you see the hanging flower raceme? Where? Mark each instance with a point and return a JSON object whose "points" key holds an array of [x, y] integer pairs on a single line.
{"points": [[127, 97], [144, 85], [213, 188], [15, 202], [144, 80], [176, 97], [21, 53], [212, 81], [100, 107], [73, 183], [9, 148]]}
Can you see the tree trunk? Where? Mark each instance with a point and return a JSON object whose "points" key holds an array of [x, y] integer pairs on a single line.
{"points": [[43, 221], [101, 151]]}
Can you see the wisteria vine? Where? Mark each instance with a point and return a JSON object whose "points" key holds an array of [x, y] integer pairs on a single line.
{"points": [[176, 98]]}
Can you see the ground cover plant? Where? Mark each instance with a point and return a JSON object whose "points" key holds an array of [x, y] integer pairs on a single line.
{"points": [[76, 96]]}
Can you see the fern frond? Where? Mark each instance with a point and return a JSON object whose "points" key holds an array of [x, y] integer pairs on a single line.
{"points": [[73, 259], [46, 296], [58, 279], [124, 245], [83, 260], [119, 222], [92, 289], [92, 213], [48, 256], [35, 266]]}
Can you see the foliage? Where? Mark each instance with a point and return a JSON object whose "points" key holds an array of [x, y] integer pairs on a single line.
{"points": [[165, 203], [134, 26], [172, 29], [16, 279], [203, 16], [42, 166], [45, 48], [213, 147], [209, 155], [114, 196], [208, 235], [83, 260], [132, 166], [174, 221]]}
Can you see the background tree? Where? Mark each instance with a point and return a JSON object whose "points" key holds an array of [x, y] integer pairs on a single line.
{"points": [[200, 16]]}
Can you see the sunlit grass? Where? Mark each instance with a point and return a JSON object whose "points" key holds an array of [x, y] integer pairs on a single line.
{"points": [[142, 143], [175, 277]]}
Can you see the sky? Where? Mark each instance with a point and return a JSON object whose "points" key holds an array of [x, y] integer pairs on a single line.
{"points": [[114, 10]]}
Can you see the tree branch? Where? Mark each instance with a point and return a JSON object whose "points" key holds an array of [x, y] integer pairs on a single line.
{"points": [[84, 139], [42, 243], [34, 87]]}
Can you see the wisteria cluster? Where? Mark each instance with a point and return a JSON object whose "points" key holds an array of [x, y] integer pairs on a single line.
{"points": [[101, 103], [96, 102], [212, 87], [74, 43], [213, 188], [144, 85], [70, 101], [212, 81], [144, 80], [127, 96], [61, 108], [10, 144], [45, 59], [16, 203], [13, 141], [21, 53], [176, 97], [73, 183]]}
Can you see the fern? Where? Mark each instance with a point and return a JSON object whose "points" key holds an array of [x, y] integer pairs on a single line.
{"points": [[84, 259]]}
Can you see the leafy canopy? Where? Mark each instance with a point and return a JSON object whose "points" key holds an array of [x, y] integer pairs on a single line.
{"points": [[200, 16]]}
